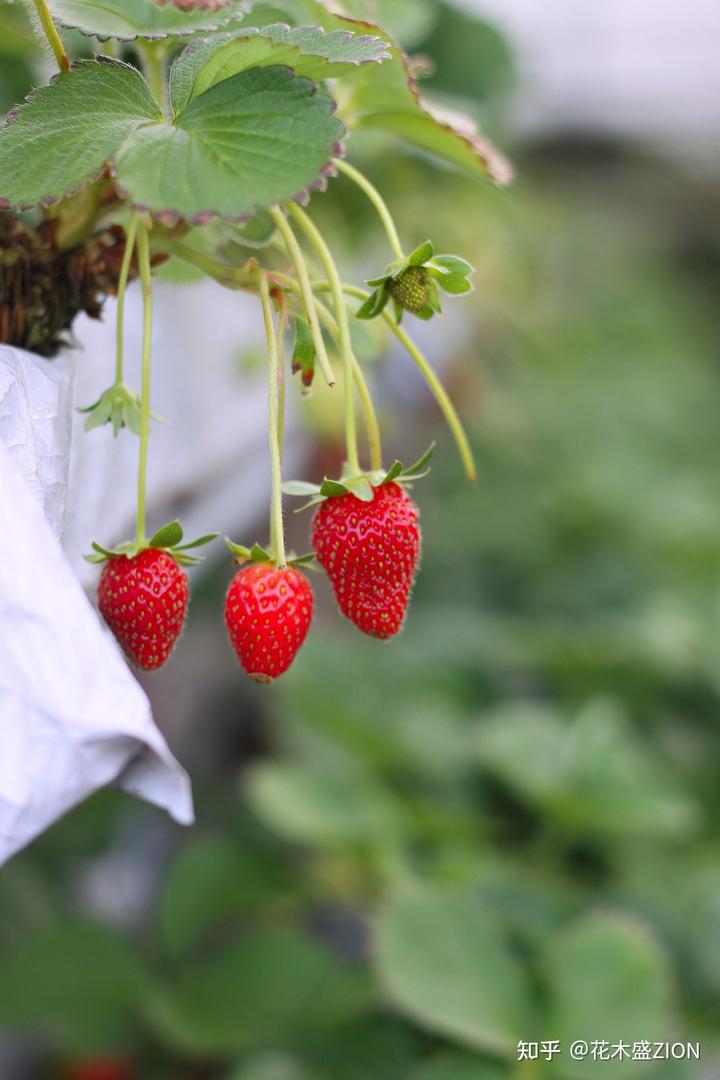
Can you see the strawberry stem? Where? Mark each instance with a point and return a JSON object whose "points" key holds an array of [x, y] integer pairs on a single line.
{"points": [[146, 280], [122, 285], [436, 387], [363, 392], [296, 257], [153, 54], [50, 31], [316, 239], [276, 515], [378, 202], [370, 417]]}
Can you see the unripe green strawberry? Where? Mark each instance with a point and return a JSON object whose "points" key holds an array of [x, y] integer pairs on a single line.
{"points": [[143, 600], [268, 612], [370, 551], [411, 289]]}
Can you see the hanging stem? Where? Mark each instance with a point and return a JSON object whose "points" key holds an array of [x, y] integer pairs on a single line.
{"points": [[371, 422], [436, 387], [378, 202], [146, 280], [370, 417], [153, 56], [277, 531], [50, 31], [296, 257], [122, 285], [316, 239]]}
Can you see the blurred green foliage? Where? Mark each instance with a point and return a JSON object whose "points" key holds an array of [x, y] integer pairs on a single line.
{"points": [[504, 825]]}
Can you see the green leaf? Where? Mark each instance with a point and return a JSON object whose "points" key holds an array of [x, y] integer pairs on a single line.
{"points": [[130, 19], [443, 962], [449, 1066], [421, 254], [312, 804], [210, 881], [308, 50], [300, 487], [270, 989], [76, 980], [168, 536], [69, 130], [591, 775], [257, 138], [274, 1067], [374, 305], [385, 97], [455, 284], [608, 979], [331, 489]]}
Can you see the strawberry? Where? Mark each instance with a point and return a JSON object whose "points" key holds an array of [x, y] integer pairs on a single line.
{"points": [[370, 551], [411, 289], [99, 1068], [143, 599], [268, 613]]}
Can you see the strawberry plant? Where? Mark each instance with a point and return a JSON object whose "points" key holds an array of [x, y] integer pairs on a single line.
{"points": [[199, 130]]}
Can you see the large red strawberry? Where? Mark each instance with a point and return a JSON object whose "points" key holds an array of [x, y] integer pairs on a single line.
{"points": [[268, 612], [143, 600], [370, 551]]}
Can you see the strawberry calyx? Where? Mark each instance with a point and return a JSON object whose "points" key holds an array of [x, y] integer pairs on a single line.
{"points": [[169, 538], [413, 284], [119, 406], [362, 486], [259, 554]]}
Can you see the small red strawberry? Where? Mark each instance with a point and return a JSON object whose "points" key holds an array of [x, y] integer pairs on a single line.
{"points": [[370, 551], [143, 599], [100, 1068], [268, 612]]}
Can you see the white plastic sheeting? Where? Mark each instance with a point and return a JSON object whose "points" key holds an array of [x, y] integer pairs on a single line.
{"points": [[72, 716]]}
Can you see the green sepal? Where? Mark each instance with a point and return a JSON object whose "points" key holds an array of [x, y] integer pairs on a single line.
{"points": [[375, 303], [301, 560], [300, 488], [454, 284], [401, 475], [119, 405], [201, 540], [421, 255], [452, 264], [361, 488], [333, 489], [393, 472], [168, 536], [421, 465], [256, 553], [310, 504]]}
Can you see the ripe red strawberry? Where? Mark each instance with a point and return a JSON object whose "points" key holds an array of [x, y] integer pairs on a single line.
{"points": [[370, 551], [100, 1068], [143, 600], [268, 614]]}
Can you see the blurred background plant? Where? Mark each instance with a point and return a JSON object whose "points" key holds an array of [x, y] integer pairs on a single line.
{"points": [[504, 826]]}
